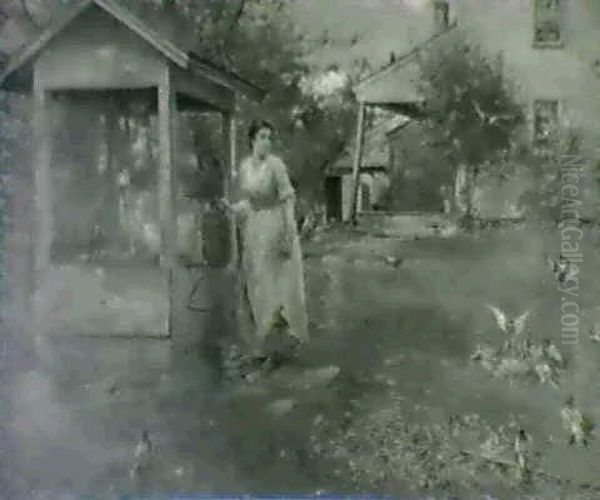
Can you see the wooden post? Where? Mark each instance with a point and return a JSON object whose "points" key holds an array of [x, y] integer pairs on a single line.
{"points": [[357, 161], [229, 130], [167, 184], [233, 133], [229, 134], [42, 241]]}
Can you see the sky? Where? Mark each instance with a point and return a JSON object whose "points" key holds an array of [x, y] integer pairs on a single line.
{"points": [[382, 25]]}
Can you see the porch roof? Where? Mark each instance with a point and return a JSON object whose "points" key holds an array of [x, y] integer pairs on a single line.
{"points": [[376, 155], [17, 74], [396, 86]]}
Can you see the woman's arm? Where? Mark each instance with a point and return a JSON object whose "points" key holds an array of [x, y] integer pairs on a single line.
{"points": [[287, 197], [237, 202], [289, 218]]}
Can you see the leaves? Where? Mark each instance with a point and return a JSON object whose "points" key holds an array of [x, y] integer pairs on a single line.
{"points": [[392, 443], [258, 40], [475, 113]]}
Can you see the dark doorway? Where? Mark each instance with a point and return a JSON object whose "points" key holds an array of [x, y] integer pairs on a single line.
{"points": [[365, 196], [333, 194]]}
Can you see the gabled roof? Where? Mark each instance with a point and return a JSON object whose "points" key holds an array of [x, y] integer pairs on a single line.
{"points": [[396, 83], [376, 152], [178, 56]]}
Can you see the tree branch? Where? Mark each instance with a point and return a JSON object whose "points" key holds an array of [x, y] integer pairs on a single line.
{"points": [[229, 34], [218, 11], [28, 14], [237, 16]]}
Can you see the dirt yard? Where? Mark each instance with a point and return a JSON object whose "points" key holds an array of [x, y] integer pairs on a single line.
{"points": [[385, 399]]}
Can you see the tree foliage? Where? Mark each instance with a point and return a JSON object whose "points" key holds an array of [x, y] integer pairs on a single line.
{"points": [[470, 104], [544, 201], [472, 115], [257, 40]]}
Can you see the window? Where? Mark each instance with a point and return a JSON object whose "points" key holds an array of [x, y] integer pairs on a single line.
{"points": [[548, 23], [545, 124]]}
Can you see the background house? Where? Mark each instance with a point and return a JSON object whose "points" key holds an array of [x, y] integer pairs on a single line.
{"points": [[548, 48], [374, 176]]}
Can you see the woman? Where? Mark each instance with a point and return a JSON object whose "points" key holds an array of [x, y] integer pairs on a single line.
{"points": [[271, 256]]}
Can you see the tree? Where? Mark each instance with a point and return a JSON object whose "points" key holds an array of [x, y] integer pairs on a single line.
{"points": [[259, 40], [471, 112], [256, 39], [543, 202]]}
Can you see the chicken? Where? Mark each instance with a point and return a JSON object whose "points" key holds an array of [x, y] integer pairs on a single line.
{"points": [[552, 354], [546, 374], [488, 118], [485, 356], [97, 242], [561, 268], [393, 261], [280, 344], [142, 456], [578, 426], [536, 353], [523, 452], [594, 335], [511, 326]]}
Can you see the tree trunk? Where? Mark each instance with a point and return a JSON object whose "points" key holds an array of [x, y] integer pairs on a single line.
{"points": [[460, 180], [465, 184], [471, 185]]}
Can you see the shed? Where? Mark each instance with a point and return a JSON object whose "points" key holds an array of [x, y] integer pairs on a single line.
{"points": [[395, 88], [374, 170], [100, 48]]}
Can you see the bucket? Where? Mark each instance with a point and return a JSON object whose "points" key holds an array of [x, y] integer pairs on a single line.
{"points": [[216, 237]]}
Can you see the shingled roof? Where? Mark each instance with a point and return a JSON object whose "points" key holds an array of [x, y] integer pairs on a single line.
{"points": [[376, 152], [175, 51], [397, 83]]}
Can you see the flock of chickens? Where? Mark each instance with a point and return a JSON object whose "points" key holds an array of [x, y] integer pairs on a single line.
{"points": [[544, 360]]}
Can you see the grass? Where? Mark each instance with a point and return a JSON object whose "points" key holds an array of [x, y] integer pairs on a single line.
{"points": [[432, 311], [402, 337]]}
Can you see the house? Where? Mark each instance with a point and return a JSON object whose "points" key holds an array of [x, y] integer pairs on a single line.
{"points": [[96, 53], [374, 176], [549, 48]]}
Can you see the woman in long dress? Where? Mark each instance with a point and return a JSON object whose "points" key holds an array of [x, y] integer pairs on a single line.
{"points": [[271, 258]]}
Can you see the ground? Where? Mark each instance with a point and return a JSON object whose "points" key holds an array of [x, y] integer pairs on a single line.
{"points": [[399, 317]]}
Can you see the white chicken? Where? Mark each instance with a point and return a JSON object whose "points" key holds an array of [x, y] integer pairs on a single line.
{"points": [[512, 327], [553, 354], [141, 456], [546, 374], [578, 426], [523, 451]]}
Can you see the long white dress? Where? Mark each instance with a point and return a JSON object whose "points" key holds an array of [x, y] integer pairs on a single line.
{"points": [[272, 282]]}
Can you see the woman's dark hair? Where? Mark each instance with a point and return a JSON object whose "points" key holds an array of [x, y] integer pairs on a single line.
{"points": [[255, 127]]}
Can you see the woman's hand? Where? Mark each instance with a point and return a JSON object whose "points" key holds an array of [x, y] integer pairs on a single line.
{"points": [[225, 202], [239, 208]]}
